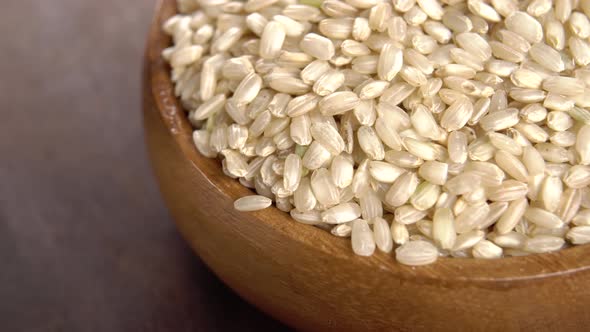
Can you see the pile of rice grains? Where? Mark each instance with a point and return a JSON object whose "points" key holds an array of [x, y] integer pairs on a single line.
{"points": [[441, 128]]}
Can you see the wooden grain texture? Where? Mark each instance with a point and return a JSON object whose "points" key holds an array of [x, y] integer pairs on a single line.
{"points": [[311, 280], [86, 243]]}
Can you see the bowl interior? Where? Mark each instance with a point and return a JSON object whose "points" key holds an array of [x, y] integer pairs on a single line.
{"points": [[479, 271]]}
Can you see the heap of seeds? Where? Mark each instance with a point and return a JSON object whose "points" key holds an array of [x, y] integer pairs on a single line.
{"points": [[443, 128]]}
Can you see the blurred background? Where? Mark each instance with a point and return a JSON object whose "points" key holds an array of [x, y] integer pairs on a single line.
{"points": [[86, 243]]}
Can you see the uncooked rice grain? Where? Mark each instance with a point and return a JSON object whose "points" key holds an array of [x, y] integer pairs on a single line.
{"points": [[252, 203], [416, 253], [363, 242]]}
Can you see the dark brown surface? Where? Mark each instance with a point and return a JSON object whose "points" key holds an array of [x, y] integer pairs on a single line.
{"points": [[86, 243]]}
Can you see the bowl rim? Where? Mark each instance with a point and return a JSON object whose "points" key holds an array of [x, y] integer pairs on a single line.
{"points": [[534, 267]]}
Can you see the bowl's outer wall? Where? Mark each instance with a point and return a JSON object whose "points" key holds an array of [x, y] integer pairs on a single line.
{"points": [[311, 281]]}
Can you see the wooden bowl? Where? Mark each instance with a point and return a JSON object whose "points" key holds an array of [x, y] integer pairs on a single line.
{"points": [[311, 280]]}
